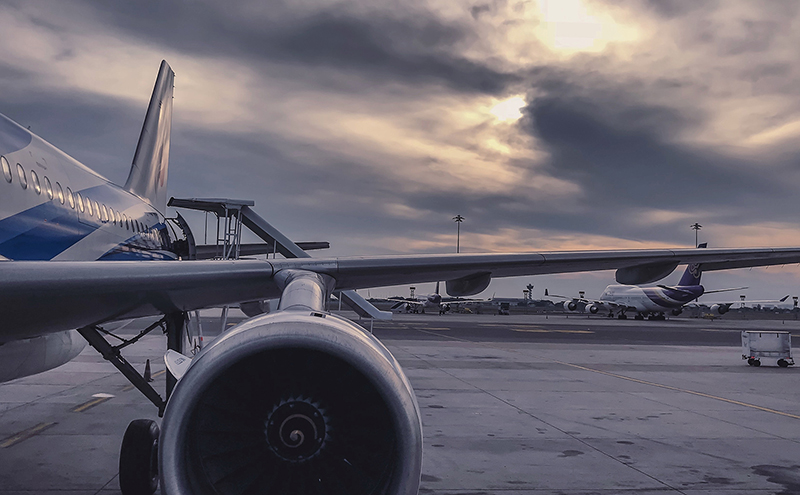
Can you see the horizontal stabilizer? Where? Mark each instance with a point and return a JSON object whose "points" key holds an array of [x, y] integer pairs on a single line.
{"points": [[206, 252]]}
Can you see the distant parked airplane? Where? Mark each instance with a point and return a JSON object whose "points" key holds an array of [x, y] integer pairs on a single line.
{"points": [[652, 302]]}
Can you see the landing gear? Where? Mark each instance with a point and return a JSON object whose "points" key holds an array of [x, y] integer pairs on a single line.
{"points": [[639, 316], [622, 316], [138, 458]]}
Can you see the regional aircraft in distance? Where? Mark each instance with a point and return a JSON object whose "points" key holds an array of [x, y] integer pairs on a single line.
{"points": [[653, 302], [295, 401]]}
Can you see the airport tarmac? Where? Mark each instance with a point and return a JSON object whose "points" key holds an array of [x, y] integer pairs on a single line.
{"points": [[510, 405]]}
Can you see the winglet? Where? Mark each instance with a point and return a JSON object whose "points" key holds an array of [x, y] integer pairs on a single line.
{"points": [[148, 175]]}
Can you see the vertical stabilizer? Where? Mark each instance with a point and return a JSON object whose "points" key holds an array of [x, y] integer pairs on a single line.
{"points": [[148, 176], [692, 274]]}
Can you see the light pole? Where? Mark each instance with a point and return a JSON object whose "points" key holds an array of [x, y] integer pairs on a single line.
{"points": [[458, 219], [696, 227]]}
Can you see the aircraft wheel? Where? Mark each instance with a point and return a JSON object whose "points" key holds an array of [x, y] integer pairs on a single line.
{"points": [[751, 361], [622, 316], [783, 363], [138, 458], [756, 363]]}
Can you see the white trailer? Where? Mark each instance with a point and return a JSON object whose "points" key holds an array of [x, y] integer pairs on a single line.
{"points": [[772, 345]]}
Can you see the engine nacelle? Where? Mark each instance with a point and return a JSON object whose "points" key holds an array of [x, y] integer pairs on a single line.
{"points": [[591, 308], [292, 402], [570, 305], [26, 357], [720, 309]]}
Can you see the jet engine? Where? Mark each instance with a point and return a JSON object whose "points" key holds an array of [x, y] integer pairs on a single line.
{"points": [[720, 309], [570, 305], [592, 308], [297, 402]]}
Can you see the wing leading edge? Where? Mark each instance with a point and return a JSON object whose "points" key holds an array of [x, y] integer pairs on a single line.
{"points": [[45, 296]]}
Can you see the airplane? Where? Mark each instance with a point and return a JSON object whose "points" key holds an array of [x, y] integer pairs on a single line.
{"points": [[299, 400], [429, 302], [652, 302]]}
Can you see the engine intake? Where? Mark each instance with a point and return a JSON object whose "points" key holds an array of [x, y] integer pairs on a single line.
{"points": [[292, 402]]}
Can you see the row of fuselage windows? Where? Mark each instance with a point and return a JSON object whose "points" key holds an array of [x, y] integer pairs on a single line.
{"points": [[67, 197]]}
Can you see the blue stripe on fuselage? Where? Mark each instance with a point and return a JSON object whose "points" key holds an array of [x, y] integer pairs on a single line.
{"points": [[41, 232], [12, 137], [48, 229]]}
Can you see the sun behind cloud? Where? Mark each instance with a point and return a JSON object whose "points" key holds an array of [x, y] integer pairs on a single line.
{"points": [[509, 110]]}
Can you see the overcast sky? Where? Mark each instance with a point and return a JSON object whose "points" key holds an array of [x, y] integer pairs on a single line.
{"points": [[549, 125]]}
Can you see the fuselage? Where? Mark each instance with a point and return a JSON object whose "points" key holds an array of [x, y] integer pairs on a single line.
{"points": [[651, 299], [52, 207]]}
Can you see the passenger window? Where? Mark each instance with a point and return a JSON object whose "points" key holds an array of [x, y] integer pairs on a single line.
{"points": [[79, 200], [89, 208], [111, 215], [70, 198], [60, 193], [48, 188], [23, 179], [6, 169], [118, 218], [97, 209], [35, 180], [127, 226]]}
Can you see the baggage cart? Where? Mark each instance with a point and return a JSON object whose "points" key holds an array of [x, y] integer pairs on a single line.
{"points": [[757, 345]]}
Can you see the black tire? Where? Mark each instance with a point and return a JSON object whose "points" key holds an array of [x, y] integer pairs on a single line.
{"points": [[756, 363], [783, 363], [138, 458], [751, 361]]}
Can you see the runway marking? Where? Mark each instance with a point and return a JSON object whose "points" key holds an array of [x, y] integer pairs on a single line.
{"points": [[127, 388], [542, 330], [677, 389], [438, 328], [98, 399], [25, 434]]}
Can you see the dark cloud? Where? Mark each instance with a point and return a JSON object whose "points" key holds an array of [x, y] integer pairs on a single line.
{"points": [[382, 47], [624, 156]]}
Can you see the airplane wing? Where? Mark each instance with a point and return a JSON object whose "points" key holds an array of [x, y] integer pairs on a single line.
{"points": [[48, 296], [724, 290], [400, 302], [747, 302]]}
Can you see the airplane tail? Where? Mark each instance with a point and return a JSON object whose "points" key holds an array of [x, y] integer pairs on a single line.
{"points": [[693, 272], [148, 175]]}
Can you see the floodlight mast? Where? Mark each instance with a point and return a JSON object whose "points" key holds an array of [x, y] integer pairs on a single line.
{"points": [[458, 219], [696, 227]]}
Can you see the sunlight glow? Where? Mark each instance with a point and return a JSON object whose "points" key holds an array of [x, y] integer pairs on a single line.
{"points": [[509, 109], [568, 26]]}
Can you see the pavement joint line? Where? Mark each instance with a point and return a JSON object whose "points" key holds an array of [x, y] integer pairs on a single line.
{"points": [[551, 425], [678, 389], [25, 434], [90, 404], [645, 382]]}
